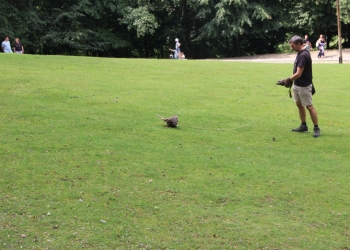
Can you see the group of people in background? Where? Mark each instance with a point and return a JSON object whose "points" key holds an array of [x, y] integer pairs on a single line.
{"points": [[320, 45], [17, 46], [177, 52]]}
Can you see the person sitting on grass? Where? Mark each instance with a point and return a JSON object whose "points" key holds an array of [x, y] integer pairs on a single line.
{"points": [[173, 56], [307, 43]]}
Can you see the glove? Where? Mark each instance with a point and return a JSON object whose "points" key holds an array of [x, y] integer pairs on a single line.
{"points": [[285, 82]]}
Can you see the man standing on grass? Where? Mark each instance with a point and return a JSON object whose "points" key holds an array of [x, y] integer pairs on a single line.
{"points": [[6, 47], [177, 49], [303, 88]]}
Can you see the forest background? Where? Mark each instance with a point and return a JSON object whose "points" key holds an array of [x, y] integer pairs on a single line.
{"points": [[147, 28]]}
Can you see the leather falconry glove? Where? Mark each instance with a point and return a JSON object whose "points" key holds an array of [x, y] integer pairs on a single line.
{"points": [[285, 82]]}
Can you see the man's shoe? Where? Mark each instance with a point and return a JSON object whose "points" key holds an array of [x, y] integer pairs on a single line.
{"points": [[317, 132], [302, 128]]}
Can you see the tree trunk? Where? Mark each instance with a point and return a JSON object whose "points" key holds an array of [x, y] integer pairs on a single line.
{"points": [[186, 24], [227, 47], [328, 38], [236, 46], [346, 36]]}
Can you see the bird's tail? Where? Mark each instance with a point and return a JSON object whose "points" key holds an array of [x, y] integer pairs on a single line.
{"points": [[161, 117]]}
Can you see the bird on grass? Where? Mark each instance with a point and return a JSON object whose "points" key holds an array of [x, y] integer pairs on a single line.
{"points": [[170, 122]]}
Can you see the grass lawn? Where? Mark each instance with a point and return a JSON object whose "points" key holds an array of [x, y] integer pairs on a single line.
{"points": [[86, 163]]}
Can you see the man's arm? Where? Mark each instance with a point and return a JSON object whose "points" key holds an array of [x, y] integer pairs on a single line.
{"points": [[297, 74]]}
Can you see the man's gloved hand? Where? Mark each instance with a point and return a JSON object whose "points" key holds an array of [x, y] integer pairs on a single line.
{"points": [[285, 82]]}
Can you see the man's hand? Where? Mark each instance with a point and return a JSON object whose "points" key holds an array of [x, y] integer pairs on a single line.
{"points": [[285, 82]]}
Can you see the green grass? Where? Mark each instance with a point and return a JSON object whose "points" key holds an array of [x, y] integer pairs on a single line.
{"points": [[86, 163]]}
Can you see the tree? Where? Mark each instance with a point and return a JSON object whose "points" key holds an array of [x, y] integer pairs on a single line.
{"points": [[345, 19], [235, 21], [147, 28]]}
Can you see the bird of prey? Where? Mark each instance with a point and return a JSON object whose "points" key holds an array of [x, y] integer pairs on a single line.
{"points": [[170, 122]]}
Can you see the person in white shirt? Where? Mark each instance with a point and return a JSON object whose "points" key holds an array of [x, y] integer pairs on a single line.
{"points": [[6, 47]]}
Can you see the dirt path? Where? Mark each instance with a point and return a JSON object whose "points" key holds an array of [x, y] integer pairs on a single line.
{"points": [[331, 56]]}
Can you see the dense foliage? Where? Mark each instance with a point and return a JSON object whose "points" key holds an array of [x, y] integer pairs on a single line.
{"points": [[147, 28]]}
